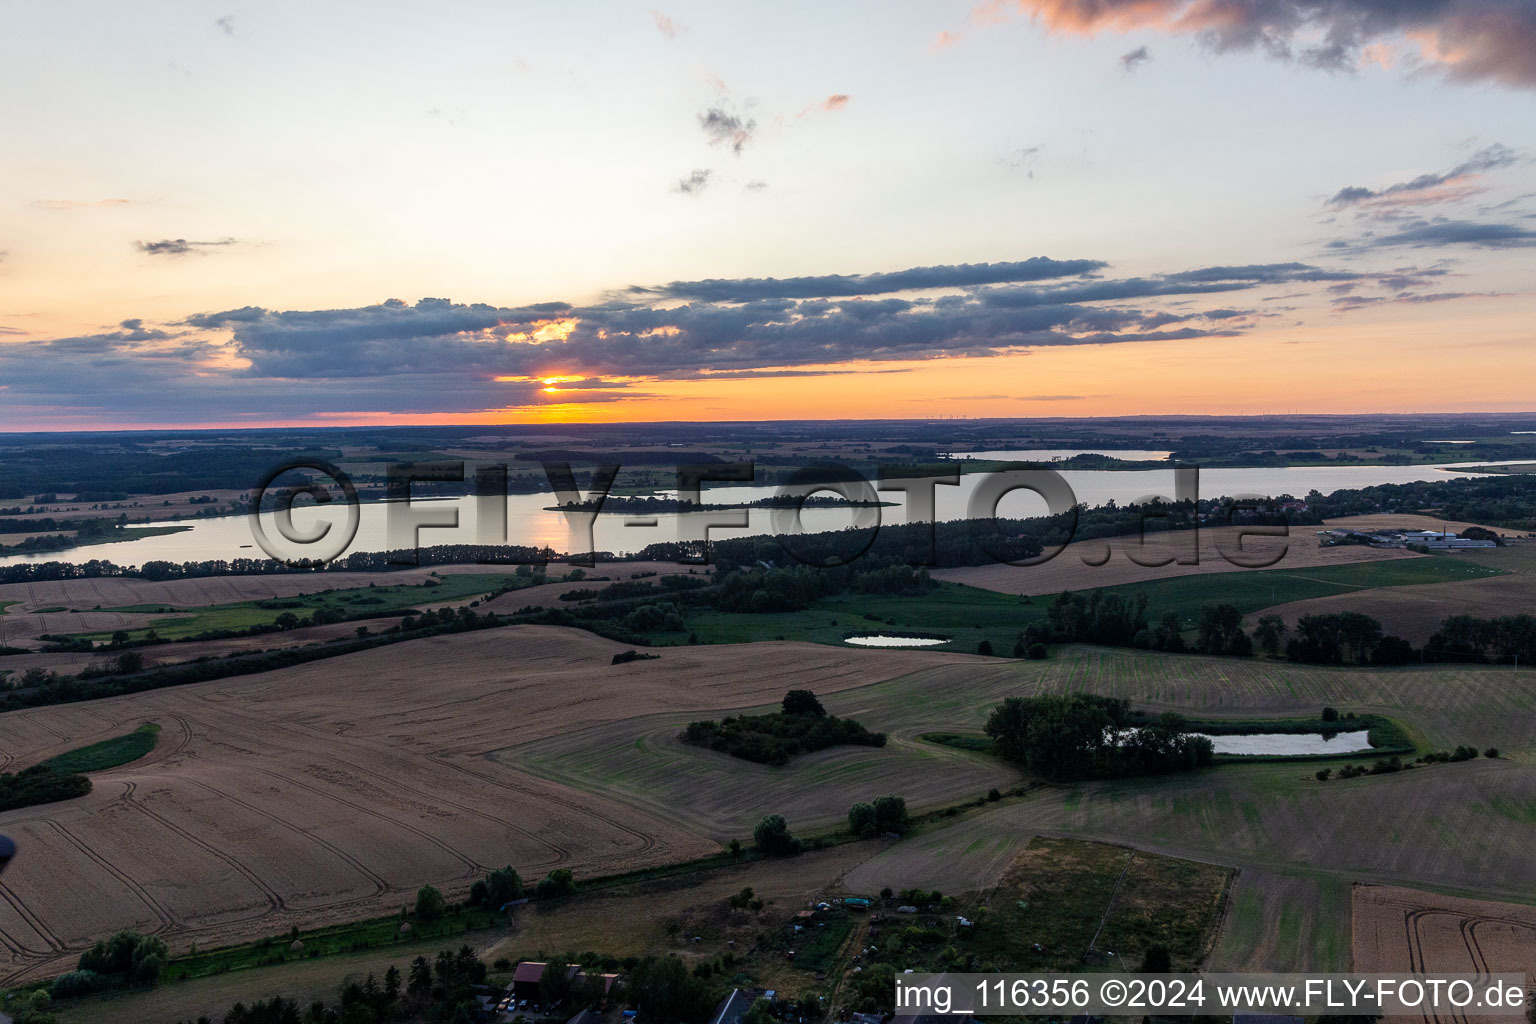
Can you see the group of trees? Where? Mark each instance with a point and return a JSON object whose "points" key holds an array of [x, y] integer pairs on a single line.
{"points": [[1326, 639], [493, 892], [1103, 617], [126, 959], [883, 814], [761, 587], [800, 726], [1469, 638], [1085, 736]]}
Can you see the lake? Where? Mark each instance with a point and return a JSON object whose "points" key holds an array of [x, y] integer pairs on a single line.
{"points": [[530, 522]]}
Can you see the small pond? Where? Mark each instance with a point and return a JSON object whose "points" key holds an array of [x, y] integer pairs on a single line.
{"points": [[882, 640], [1293, 743]]}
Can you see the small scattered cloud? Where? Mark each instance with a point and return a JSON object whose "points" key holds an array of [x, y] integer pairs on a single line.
{"points": [[1024, 159], [695, 183], [180, 246], [755, 186], [667, 26], [944, 40], [1135, 58], [724, 127], [226, 24]]}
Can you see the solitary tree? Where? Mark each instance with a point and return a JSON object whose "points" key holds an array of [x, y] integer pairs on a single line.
{"points": [[430, 904]]}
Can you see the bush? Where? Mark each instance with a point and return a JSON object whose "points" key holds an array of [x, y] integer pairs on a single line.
{"points": [[1036, 652], [1491, 752], [75, 983], [1156, 960], [984, 648], [559, 882]]}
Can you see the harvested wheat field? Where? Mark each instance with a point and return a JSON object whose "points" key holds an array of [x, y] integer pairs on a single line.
{"points": [[1408, 521], [1072, 569], [72, 662], [83, 595], [644, 763], [333, 790], [1399, 930], [1415, 612]]}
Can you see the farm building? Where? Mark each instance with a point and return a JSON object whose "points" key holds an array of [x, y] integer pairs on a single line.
{"points": [[528, 974], [1437, 540]]}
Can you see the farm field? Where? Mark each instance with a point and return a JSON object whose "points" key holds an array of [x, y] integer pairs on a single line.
{"points": [[1070, 570], [1415, 612], [1409, 521], [331, 791], [1401, 930], [967, 615], [643, 763], [1063, 903], [71, 662], [205, 591], [1298, 843]]}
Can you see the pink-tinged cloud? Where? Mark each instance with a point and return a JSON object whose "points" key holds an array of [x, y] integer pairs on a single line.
{"points": [[666, 26], [1485, 40], [831, 105]]}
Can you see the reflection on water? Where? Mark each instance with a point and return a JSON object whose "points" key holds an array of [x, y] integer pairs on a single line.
{"points": [[1293, 743]]}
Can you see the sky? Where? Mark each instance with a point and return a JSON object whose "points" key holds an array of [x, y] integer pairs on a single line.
{"points": [[219, 215]]}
